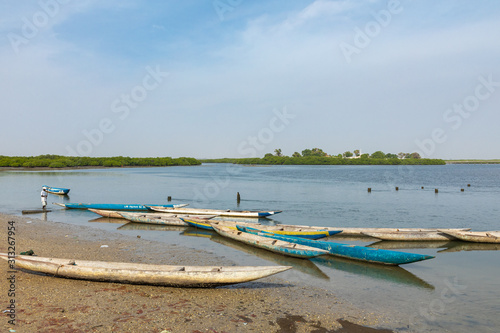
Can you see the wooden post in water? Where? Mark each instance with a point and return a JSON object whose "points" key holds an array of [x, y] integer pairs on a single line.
{"points": [[422, 187], [462, 190], [169, 198], [397, 188], [436, 190], [369, 190], [238, 198], [468, 185]]}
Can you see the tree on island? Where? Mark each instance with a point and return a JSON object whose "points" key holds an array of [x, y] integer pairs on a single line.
{"points": [[378, 154], [296, 154], [313, 152], [277, 152], [357, 152], [348, 154]]}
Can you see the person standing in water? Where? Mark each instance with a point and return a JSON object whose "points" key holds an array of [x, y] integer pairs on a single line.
{"points": [[44, 195]]}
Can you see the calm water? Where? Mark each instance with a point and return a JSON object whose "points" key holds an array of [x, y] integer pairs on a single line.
{"points": [[458, 291]]}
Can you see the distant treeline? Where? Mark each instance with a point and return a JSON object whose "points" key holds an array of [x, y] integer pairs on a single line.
{"points": [[321, 160], [57, 161]]}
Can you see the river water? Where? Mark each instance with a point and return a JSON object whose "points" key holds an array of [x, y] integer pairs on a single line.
{"points": [[457, 291]]}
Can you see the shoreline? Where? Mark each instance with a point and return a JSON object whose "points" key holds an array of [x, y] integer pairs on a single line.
{"points": [[46, 304]]}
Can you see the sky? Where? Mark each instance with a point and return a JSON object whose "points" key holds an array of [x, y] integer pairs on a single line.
{"points": [[240, 78]]}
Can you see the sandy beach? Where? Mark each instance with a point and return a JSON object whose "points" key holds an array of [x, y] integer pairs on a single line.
{"points": [[49, 304]]}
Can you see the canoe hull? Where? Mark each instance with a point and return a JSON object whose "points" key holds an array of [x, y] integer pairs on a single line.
{"points": [[428, 236], [289, 230], [362, 253], [199, 211], [475, 236], [163, 275], [56, 190], [281, 247], [125, 207]]}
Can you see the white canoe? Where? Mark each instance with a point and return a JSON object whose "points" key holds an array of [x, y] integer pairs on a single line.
{"points": [[164, 275], [475, 236], [347, 231], [220, 212], [410, 235]]}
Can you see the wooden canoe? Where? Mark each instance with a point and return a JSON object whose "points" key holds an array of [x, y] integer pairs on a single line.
{"points": [[164, 275], [407, 236], [159, 218], [348, 231], [306, 232], [362, 253], [56, 190], [273, 245], [126, 207], [475, 236], [220, 212], [107, 213]]}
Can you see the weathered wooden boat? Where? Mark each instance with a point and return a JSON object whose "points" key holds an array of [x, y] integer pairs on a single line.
{"points": [[56, 190], [220, 212], [305, 232], [362, 253], [348, 231], [273, 245], [475, 236], [164, 275], [408, 236], [126, 207], [159, 218], [35, 211]]}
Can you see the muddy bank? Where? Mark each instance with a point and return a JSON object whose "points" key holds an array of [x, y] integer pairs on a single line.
{"points": [[47, 304]]}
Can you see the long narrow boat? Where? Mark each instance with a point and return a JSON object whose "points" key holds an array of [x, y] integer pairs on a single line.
{"points": [[114, 214], [164, 275], [273, 245], [159, 218], [427, 236], [56, 190], [362, 253], [220, 212], [475, 236], [305, 232], [126, 207], [348, 231]]}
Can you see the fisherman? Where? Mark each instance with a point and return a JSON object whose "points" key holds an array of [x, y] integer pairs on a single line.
{"points": [[44, 195]]}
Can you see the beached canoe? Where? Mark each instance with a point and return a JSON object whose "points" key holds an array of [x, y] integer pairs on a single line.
{"points": [[290, 230], [362, 253], [56, 190], [273, 245], [164, 275], [407, 236], [126, 207], [475, 236], [159, 218], [200, 211]]}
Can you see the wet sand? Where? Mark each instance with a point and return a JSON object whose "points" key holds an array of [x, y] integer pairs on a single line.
{"points": [[49, 304]]}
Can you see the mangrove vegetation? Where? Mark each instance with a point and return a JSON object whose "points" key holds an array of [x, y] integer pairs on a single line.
{"points": [[57, 161]]}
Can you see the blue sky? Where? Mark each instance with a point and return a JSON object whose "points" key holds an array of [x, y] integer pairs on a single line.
{"points": [[240, 78]]}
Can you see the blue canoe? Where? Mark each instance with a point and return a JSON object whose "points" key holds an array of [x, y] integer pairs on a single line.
{"points": [[362, 253], [129, 207], [56, 190]]}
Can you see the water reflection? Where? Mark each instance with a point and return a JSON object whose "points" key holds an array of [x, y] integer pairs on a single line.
{"points": [[380, 272], [108, 220], [155, 227], [458, 246]]}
